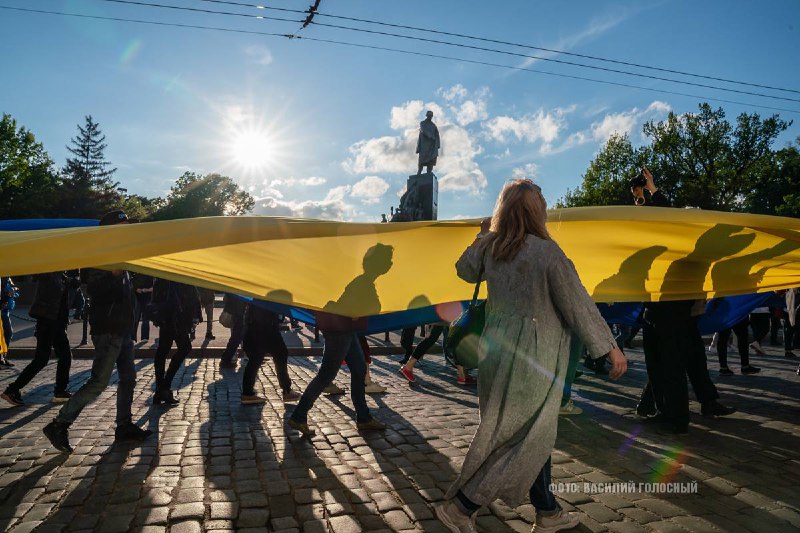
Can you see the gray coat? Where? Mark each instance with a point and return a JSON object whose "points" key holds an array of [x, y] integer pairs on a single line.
{"points": [[535, 302]]}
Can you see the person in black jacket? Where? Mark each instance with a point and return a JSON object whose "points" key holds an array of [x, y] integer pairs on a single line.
{"points": [[673, 348], [263, 335], [178, 309], [111, 321], [50, 308]]}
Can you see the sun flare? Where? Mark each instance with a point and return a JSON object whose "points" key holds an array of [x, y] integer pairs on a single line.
{"points": [[252, 149]]}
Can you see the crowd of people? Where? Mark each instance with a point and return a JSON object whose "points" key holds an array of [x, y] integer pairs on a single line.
{"points": [[540, 321]]}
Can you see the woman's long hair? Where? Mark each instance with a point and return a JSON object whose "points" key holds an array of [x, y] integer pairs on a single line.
{"points": [[521, 210]]}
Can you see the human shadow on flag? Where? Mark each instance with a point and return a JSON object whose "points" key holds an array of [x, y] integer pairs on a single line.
{"points": [[360, 294], [629, 284], [735, 273]]}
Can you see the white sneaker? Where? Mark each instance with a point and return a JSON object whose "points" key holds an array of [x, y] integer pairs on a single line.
{"points": [[557, 522], [570, 409], [374, 388], [452, 518]]}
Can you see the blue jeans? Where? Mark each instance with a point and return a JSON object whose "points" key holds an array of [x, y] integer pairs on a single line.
{"points": [[108, 351], [338, 346]]}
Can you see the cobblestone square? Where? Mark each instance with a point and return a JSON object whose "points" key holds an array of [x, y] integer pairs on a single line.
{"points": [[216, 465]]}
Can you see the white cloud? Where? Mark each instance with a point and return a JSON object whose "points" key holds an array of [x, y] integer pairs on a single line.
{"points": [[260, 54], [541, 126], [312, 181], [455, 93], [614, 123], [529, 170], [370, 189], [333, 207], [456, 166]]}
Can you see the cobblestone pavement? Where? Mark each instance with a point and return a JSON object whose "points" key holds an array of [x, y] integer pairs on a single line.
{"points": [[215, 465]]}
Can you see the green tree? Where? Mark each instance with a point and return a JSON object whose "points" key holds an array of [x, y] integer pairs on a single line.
{"points": [[88, 189], [699, 160], [204, 196], [777, 188], [28, 181]]}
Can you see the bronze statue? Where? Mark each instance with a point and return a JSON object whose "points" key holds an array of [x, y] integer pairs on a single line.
{"points": [[428, 143]]}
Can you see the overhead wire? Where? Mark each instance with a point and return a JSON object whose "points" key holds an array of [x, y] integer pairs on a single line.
{"points": [[466, 46], [507, 43], [395, 50]]}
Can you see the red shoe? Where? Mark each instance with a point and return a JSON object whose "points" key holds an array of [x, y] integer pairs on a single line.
{"points": [[408, 374], [467, 380]]}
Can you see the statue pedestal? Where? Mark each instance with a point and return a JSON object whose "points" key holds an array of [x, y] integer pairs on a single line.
{"points": [[427, 195]]}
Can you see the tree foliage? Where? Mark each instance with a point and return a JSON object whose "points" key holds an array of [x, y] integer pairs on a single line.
{"points": [[699, 160], [28, 180], [204, 196]]}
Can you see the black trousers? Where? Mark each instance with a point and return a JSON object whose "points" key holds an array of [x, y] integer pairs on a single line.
{"points": [[673, 350], [742, 343], [426, 343], [407, 340], [789, 333], [760, 325], [166, 336], [51, 335], [275, 345]]}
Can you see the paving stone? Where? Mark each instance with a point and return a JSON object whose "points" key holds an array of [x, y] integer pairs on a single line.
{"points": [[252, 518], [185, 511], [345, 524], [187, 526]]}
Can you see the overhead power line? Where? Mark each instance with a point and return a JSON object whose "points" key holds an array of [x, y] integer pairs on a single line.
{"points": [[508, 43], [465, 46], [396, 50]]}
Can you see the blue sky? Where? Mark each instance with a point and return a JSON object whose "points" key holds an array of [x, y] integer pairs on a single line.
{"points": [[328, 131]]}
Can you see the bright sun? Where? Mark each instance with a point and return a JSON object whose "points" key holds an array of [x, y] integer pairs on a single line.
{"points": [[252, 149]]}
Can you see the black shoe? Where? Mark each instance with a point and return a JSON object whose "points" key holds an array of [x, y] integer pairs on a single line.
{"points": [[61, 397], [164, 396], [714, 408], [5, 362], [725, 371], [12, 397], [130, 432], [210, 336], [58, 435], [790, 355], [750, 369]]}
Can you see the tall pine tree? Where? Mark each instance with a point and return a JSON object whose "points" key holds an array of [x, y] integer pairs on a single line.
{"points": [[88, 189]]}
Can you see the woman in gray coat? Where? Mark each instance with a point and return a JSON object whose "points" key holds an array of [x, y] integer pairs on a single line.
{"points": [[535, 301]]}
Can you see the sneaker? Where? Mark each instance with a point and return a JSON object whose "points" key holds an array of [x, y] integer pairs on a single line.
{"points": [[210, 336], [453, 519], [725, 371], [555, 522], [374, 388], [4, 361], [467, 380], [58, 435], [61, 397], [12, 397], [302, 427], [750, 369], [570, 408], [252, 399], [757, 348], [790, 355], [291, 396], [714, 408], [164, 396], [408, 374], [333, 389], [130, 432], [371, 425]]}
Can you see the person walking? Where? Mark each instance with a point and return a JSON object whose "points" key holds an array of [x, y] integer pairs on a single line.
{"points": [[178, 307], [143, 289], [235, 307], [8, 298], [741, 331], [50, 308], [111, 321], [263, 335], [535, 301], [207, 304]]}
